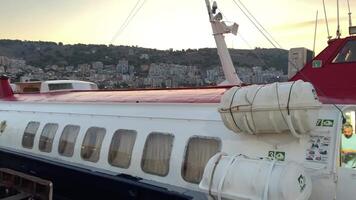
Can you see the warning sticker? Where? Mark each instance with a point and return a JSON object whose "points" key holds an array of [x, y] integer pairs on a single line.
{"points": [[318, 149]]}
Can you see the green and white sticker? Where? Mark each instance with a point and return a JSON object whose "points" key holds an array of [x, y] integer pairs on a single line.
{"points": [[277, 155], [317, 63], [271, 154], [325, 122]]}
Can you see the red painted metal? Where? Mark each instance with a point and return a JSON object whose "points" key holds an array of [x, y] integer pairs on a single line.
{"points": [[334, 82], [5, 88], [207, 95]]}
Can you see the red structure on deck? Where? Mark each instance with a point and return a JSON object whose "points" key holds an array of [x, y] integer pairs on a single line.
{"points": [[333, 72]]}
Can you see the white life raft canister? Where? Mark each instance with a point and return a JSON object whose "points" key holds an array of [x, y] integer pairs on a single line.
{"points": [[240, 178], [273, 108]]}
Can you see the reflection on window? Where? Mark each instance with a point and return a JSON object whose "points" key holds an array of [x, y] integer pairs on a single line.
{"points": [[92, 144], [67, 140], [347, 53], [198, 153], [47, 135], [157, 153], [348, 141], [29, 134], [121, 148]]}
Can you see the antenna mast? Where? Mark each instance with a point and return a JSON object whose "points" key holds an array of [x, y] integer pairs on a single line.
{"points": [[350, 19], [316, 27], [338, 34], [219, 29], [352, 29], [326, 21]]}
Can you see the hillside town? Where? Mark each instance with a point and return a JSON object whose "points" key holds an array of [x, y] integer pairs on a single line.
{"points": [[125, 75]]}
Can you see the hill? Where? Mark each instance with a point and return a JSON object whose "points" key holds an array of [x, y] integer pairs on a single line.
{"points": [[41, 54]]}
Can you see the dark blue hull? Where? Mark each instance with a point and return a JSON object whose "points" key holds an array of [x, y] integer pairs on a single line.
{"points": [[71, 182]]}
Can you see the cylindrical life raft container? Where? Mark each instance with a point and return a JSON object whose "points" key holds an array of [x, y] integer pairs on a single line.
{"points": [[272, 108], [238, 177]]}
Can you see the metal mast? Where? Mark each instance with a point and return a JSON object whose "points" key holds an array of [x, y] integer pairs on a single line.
{"points": [[338, 33], [219, 29], [326, 21], [350, 19], [316, 27]]}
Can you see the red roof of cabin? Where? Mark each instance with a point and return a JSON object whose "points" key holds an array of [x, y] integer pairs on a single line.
{"points": [[334, 82], [199, 95]]}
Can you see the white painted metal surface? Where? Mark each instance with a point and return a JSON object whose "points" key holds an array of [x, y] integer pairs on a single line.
{"points": [[346, 184], [181, 120]]}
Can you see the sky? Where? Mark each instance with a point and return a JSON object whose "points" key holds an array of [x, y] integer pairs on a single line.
{"points": [[165, 24]]}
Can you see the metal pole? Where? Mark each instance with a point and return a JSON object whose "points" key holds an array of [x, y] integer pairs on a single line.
{"points": [[208, 6], [338, 34], [219, 29], [326, 21], [350, 19], [316, 27]]}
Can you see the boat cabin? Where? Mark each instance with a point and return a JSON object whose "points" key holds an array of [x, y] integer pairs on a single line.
{"points": [[332, 72]]}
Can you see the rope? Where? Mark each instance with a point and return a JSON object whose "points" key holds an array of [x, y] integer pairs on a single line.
{"points": [[258, 23], [289, 117], [258, 28], [279, 105], [230, 108], [128, 19], [212, 175], [265, 194], [262, 62], [290, 92], [221, 183], [251, 110]]}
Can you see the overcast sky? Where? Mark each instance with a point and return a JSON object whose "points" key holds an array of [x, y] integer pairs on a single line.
{"points": [[164, 24]]}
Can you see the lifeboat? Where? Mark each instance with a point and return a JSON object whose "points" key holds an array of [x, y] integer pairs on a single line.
{"points": [[239, 177], [273, 108]]}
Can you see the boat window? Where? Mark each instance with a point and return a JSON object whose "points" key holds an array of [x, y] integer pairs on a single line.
{"points": [[199, 151], [60, 86], [47, 135], [92, 144], [121, 148], [30, 90], [67, 140], [348, 141], [157, 153], [29, 134], [93, 86], [347, 53]]}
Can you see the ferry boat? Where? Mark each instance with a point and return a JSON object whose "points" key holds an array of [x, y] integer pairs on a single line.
{"points": [[279, 141]]}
